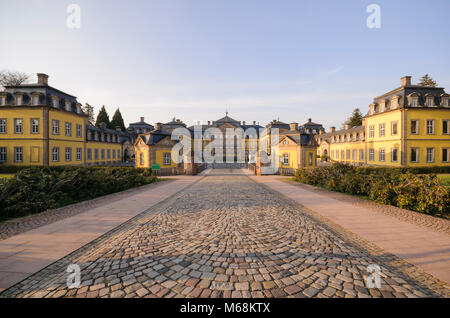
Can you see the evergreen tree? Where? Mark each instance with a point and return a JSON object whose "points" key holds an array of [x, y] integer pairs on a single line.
{"points": [[356, 118], [427, 81], [117, 121], [89, 111], [102, 117]]}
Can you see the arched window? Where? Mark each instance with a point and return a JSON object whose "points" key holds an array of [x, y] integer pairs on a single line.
{"points": [[141, 159]]}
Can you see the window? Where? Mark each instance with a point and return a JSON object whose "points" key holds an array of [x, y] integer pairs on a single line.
{"points": [[141, 159], [18, 154], [348, 154], [414, 127], [394, 128], [79, 131], [18, 123], [371, 131], [55, 127], [382, 130], [414, 102], [394, 155], [445, 101], [430, 154], [414, 154], [2, 126], [354, 154], [103, 154], [68, 154], [430, 126], [361, 155], [332, 154], [342, 155], [382, 154], [310, 159], [79, 154], [96, 154], [68, 129], [445, 127], [445, 154], [167, 160], [34, 125], [114, 154], [55, 154], [285, 159], [429, 101], [2, 154], [118, 154], [371, 154], [89, 154], [108, 153]]}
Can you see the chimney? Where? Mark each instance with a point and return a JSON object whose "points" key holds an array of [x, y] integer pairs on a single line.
{"points": [[142, 119], [42, 79], [332, 129], [243, 123], [309, 120], [346, 126], [254, 122], [406, 81], [158, 126], [293, 126], [209, 122]]}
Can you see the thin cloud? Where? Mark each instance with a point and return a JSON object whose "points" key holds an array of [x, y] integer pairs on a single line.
{"points": [[336, 70]]}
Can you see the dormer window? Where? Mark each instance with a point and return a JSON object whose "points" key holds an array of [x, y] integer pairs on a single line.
{"points": [[2, 100], [55, 101], [414, 102], [429, 101], [35, 100], [445, 100], [19, 99], [68, 105], [394, 102]]}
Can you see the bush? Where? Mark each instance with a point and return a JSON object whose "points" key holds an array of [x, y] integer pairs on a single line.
{"points": [[37, 189], [402, 187]]}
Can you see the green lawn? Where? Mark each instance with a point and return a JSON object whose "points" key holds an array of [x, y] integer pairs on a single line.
{"points": [[445, 179]]}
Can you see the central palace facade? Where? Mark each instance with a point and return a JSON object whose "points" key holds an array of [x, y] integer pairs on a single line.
{"points": [[407, 126]]}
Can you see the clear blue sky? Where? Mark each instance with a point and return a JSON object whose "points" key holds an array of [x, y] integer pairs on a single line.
{"points": [[191, 58]]}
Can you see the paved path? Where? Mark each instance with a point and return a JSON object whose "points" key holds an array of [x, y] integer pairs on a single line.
{"points": [[422, 247], [228, 236], [24, 254]]}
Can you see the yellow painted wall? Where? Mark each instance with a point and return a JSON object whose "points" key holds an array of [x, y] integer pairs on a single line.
{"points": [[62, 152], [63, 117], [28, 148], [160, 159], [26, 114], [337, 147]]}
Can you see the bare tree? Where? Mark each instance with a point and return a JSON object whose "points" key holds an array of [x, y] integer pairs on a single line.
{"points": [[13, 78]]}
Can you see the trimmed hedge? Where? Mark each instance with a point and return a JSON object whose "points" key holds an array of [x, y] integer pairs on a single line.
{"points": [[36, 189], [395, 186]]}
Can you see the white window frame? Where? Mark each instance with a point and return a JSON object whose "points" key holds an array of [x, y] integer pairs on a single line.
{"points": [[2, 125], [34, 123], [430, 155], [89, 154], [447, 123], [3, 152], [55, 154], [55, 127], [371, 154], [447, 159], [432, 126], [68, 129], [78, 154], [382, 128], [167, 158], [372, 131], [361, 154], [78, 131], [18, 154], [394, 123], [68, 154], [16, 125], [382, 155]]}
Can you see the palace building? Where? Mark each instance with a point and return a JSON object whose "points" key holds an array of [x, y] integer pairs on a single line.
{"points": [[41, 125], [406, 127]]}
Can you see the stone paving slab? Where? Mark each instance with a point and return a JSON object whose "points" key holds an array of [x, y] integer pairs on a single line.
{"points": [[24, 254], [228, 236], [419, 246]]}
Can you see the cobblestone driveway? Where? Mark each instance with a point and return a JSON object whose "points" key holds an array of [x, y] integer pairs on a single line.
{"points": [[227, 236]]}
